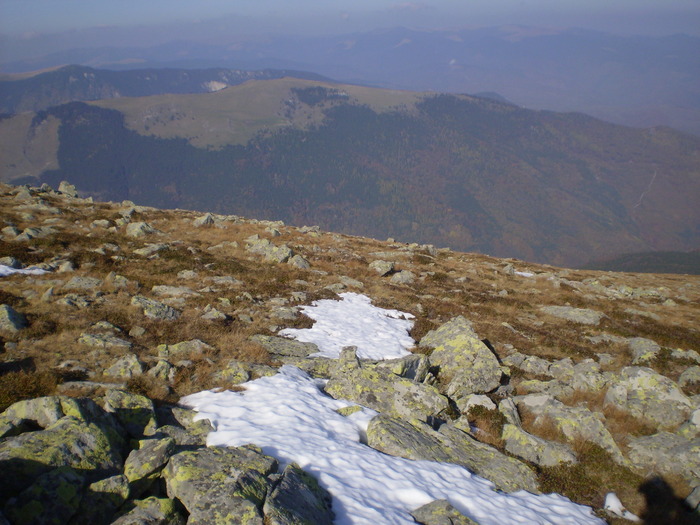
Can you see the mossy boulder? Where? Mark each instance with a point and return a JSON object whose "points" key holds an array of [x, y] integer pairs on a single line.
{"points": [[382, 390], [135, 412], [298, 499], [647, 394], [152, 511], [535, 449], [52, 499], [101, 500], [144, 464], [220, 485]]}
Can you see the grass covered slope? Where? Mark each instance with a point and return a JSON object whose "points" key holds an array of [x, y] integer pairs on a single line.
{"points": [[226, 279]]}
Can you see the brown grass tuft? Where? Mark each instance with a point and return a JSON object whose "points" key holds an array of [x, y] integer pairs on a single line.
{"points": [[16, 386]]}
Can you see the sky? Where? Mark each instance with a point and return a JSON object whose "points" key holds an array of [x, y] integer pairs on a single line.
{"points": [[303, 16], [291, 419]]}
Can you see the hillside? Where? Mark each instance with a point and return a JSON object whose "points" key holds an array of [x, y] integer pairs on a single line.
{"points": [[34, 92], [465, 172], [531, 376]]}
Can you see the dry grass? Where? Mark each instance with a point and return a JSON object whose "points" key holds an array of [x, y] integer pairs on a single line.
{"points": [[490, 424], [18, 385]]}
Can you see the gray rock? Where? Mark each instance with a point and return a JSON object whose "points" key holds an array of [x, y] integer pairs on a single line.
{"points": [[668, 454], [535, 449], [281, 346], [91, 448], [418, 441], [237, 489], [144, 464], [382, 390], [577, 315], [562, 369], [403, 277], [104, 341], [150, 249], [298, 499], [573, 422], [382, 267], [693, 499], [155, 309], [162, 370], [204, 220], [690, 377], [79, 284], [587, 377], [152, 511], [183, 349], [52, 499], [67, 188], [454, 327], [139, 229], [101, 500], [234, 373], [643, 350], [135, 412], [466, 364], [440, 512], [11, 321], [212, 314], [414, 366], [647, 394], [299, 262], [174, 291], [125, 367], [474, 400]]}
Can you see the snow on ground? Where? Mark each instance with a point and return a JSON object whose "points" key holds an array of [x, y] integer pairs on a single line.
{"points": [[291, 419], [377, 333], [7, 270]]}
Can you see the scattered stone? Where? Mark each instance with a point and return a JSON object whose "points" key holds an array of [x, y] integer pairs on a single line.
{"points": [[174, 291], [299, 262], [576, 315], [125, 367], [403, 277], [68, 189], [383, 268], [440, 512], [643, 350], [11, 320], [155, 309], [150, 249], [184, 348], [104, 341], [281, 346], [204, 220], [139, 229]]}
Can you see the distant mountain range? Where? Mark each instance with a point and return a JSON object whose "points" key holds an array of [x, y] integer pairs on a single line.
{"points": [[471, 173], [633, 80]]}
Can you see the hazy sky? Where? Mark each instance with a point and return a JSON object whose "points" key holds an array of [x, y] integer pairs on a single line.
{"points": [[315, 16]]}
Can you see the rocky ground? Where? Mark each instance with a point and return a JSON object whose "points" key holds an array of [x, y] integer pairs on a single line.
{"points": [[535, 377]]}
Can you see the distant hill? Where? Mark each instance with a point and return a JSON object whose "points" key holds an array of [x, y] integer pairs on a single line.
{"points": [[465, 172], [638, 80], [652, 262], [77, 83]]}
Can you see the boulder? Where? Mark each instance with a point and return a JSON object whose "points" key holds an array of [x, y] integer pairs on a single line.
{"points": [[155, 309], [382, 390], [647, 394], [152, 511], [220, 484], [125, 367], [298, 499], [104, 341], [139, 229], [643, 350], [82, 284], [93, 449], [135, 412], [418, 441], [668, 454], [144, 464], [576, 315], [535, 449], [403, 277], [281, 346], [299, 262], [53, 498], [11, 321], [573, 422], [101, 500], [205, 220], [183, 349], [440, 512], [414, 366], [382, 267], [466, 364]]}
